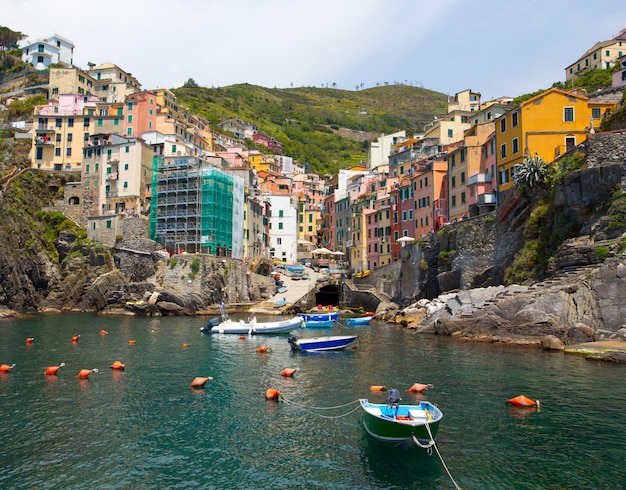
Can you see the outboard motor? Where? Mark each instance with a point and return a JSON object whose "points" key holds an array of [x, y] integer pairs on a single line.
{"points": [[393, 397], [292, 340]]}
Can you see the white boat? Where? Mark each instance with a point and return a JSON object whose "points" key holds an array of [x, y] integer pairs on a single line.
{"points": [[252, 327]]}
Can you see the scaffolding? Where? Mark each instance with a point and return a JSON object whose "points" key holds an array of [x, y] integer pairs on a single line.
{"points": [[194, 209]]}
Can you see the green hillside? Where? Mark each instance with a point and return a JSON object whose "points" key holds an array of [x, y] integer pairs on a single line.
{"points": [[328, 128]]}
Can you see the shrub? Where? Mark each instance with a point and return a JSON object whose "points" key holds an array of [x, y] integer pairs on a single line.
{"points": [[602, 252], [195, 265]]}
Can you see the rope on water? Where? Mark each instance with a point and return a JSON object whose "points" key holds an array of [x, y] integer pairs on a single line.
{"points": [[311, 409], [429, 447]]}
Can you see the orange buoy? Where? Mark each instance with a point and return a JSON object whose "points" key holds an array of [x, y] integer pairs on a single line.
{"points": [[242, 337], [272, 394], [75, 338], [288, 372], [524, 401], [85, 373], [185, 346], [118, 365], [5, 368], [53, 370], [103, 332], [418, 388], [199, 382], [378, 388], [320, 307], [30, 340], [132, 342], [263, 349]]}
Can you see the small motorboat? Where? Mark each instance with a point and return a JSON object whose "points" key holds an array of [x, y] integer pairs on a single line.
{"points": [[280, 302], [358, 320], [252, 327], [319, 324], [316, 344], [404, 425], [362, 274], [282, 289], [319, 320]]}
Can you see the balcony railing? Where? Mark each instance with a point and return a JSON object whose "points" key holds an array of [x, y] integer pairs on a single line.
{"points": [[487, 198], [479, 179]]}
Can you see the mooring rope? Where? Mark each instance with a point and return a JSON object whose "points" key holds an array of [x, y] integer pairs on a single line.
{"points": [[429, 446], [311, 409]]}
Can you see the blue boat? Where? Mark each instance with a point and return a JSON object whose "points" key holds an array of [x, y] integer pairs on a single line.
{"points": [[317, 344], [319, 323], [320, 317], [359, 320]]}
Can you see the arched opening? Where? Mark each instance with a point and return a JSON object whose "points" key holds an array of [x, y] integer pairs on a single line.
{"points": [[328, 295], [74, 201]]}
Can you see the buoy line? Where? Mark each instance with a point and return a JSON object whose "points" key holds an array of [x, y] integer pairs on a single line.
{"points": [[311, 409]]}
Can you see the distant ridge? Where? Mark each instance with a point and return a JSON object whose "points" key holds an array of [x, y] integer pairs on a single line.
{"points": [[313, 123]]}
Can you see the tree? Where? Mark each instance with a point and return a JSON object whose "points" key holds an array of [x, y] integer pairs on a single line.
{"points": [[191, 83], [530, 172], [8, 41]]}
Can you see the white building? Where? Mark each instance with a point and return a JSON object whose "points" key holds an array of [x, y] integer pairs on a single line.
{"points": [[112, 83], [378, 156], [283, 227], [44, 52]]}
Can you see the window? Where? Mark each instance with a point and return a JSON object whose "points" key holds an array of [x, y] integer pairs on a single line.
{"points": [[281, 213], [504, 176], [595, 113], [39, 153], [57, 152], [453, 201], [86, 122], [125, 185], [99, 123], [69, 137], [39, 59], [58, 122], [109, 224], [68, 152], [130, 106], [503, 150], [70, 122], [86, 137], [514, 119], [130, 118], [462, 177], [280, 225], [450, 133], [127, 149], [173, 148], [463, 200], [58, 137], [515, 146], [453, 181], [129, 132], [87, 168], [116, 122], [126, 166], [503, 125], [568, 114]]}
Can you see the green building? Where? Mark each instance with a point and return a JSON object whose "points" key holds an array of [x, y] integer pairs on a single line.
{"points": [[196, 208]]}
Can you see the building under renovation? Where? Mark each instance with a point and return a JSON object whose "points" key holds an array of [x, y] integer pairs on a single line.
{"points": [[196, 208]]}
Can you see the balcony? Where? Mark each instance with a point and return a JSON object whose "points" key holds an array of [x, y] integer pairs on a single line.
{"points": [[112, 176], [111, 194], [479, 179], [43, 141], [488, 198], [43, 128]]}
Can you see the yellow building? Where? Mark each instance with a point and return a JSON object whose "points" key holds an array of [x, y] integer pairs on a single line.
{"points": [[548, 125], [70, 81]]}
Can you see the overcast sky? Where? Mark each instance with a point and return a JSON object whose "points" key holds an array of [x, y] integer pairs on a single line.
{"points": [[495, 47]]}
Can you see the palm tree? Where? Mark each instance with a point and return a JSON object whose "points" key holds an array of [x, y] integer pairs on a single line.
{"points": [[531, 172]]}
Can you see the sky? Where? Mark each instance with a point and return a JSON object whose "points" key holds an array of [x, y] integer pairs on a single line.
{"points": [[496, 48]]}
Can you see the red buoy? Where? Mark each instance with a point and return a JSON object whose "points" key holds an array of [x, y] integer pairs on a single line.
{"points": [[263, 349], [30, 340], [186, 346], [103, 332], [85, 373], [118, 365], [272, 394], [199, 382], [132, 342], [524, 401], [418, 388], [53, 370], [5, 368], [75, 338], [288, 372], [242, 337]]}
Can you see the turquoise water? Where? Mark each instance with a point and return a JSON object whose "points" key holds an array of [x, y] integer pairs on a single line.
{"points": [[146, 427]]}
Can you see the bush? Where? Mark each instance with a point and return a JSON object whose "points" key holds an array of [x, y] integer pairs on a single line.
{"points": [[195, 265], [602, 252]]}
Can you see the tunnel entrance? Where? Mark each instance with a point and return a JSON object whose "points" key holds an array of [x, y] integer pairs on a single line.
{"points": [[327, 295]]}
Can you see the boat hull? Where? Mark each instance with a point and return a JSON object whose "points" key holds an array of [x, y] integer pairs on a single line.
{"points": [[318, 344], [400, 424], [320, 317], [241, 327], [319, 324]]}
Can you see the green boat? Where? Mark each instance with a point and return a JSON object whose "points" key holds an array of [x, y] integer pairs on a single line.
{"points": [[400, 424]]}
